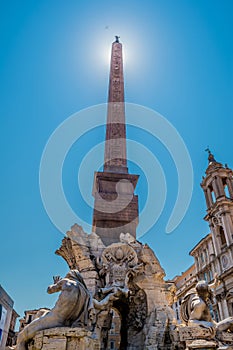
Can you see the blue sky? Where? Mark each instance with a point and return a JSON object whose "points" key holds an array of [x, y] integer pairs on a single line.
{"points": [[54, 62]]}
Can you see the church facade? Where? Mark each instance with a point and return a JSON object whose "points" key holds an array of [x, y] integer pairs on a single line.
{"points": [[213, 254]]}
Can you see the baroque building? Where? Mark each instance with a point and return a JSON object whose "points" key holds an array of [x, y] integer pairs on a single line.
{"points": [[8, 318], [29, 316], [213, 254]]}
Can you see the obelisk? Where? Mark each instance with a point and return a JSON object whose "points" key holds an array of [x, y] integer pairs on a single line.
{"points": [[115, 204]]}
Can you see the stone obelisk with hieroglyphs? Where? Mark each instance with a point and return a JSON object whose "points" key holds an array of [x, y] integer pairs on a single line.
{"points": [[115, 204]]}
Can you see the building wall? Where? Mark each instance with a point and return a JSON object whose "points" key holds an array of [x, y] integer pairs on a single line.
{"points": [[29, 316], [218, 189], [183, 283], [12, 335], [114, 334], [6, 307], [208, 263], [213, 255]]}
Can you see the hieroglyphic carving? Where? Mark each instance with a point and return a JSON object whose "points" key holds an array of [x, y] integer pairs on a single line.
{"points": [[116, 89], [115, 148]]}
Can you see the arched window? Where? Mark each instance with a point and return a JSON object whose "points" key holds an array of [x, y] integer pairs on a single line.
{"points": [[227, 193], [211, 193], [222, 235], [226, 189], [213, 196]]}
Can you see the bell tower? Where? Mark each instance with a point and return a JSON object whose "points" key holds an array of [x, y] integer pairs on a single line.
{"points": [[115, 204], [218, 189]]}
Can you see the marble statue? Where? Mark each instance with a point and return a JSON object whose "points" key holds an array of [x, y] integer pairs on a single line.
{"points": [[72, 308], [120, 262], [195, 310], [126, 280]]}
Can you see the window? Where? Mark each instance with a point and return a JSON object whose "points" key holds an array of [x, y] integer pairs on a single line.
{"points": [[216, 315], [202, 258], [226, 189], [29, 318], [211, 311], [222, 235], [112, 330], [112, 345], [212, 194], [210, 275], [206, 276]]}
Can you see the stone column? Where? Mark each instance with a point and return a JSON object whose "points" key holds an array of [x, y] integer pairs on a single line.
{"points": [[197, 263], [215, 188], [225, 308], [210, 197], [220, 310], [215, 239], [230, 186], [220, 187], [227, 228], [208, 202]]}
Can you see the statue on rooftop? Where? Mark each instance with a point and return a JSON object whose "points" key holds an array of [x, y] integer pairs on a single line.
{"points": [[211, 158]]}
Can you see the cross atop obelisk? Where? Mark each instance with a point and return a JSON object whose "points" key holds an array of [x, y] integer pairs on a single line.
{"points": [[115, 159]]}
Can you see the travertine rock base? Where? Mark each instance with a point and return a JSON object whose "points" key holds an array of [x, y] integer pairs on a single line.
{"points": [[201, 344], [194, 333], [197, 338], [64, 338], [201, 338], [226, 338]]}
